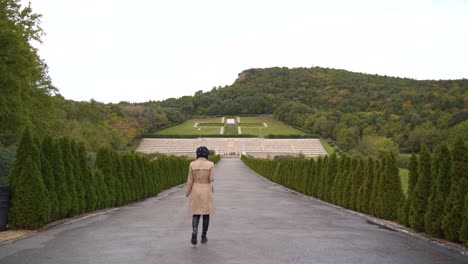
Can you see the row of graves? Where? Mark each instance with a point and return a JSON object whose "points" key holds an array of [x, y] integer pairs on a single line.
{"points": [[234, 147]]}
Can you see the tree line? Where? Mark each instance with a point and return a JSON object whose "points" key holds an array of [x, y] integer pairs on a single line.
{"points": [[436, 201], [52, 178]]}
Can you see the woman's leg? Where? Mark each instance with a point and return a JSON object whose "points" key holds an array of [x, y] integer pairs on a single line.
{"points": [[195, 221], [206, 223]]}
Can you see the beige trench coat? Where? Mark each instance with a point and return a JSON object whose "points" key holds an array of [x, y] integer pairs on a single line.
{"points": [[199, 187]]}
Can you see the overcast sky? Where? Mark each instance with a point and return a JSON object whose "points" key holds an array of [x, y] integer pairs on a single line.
{"points": [[140, 50]]}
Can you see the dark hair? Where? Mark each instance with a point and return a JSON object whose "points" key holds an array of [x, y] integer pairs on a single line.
{"points": [[203, 152]]}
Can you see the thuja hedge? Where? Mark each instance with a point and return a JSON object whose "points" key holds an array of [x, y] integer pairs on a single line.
{"points": [[151, 135], [51, 179], [291, 136], [437, 197], [215, 159]]}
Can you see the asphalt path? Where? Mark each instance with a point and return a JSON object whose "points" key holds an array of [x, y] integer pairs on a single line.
{"points": [[256, 222]]}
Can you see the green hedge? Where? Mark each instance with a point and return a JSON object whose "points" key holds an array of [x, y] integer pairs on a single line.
{"points": [[51, 179], [437, 192], [251, 124], [211, 124], [150, 135], [215, 158], [7, 157], [291, 136]]}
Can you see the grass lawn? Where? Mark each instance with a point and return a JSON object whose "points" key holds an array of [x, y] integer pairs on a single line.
{"points": [[187, 128], [404, 180], [274, 126], [230, 130], [330, 150]]}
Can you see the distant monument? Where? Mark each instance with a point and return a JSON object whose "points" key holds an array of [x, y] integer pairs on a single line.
{"points": [[230, 122]]}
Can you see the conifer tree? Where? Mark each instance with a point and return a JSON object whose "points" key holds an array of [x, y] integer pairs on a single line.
{"points": [[128, 163], [332, 168], [297, 175], [357, 183], [303, 176], [152, 174], [29, 205], [342, 184], [89, 183], [138, 177], [421, 191], [104, 199], [144, 176], [310, 177], [48, 175], [316, 183], [402, 216], [60, 178], [67, 156], [374, 208], [126, 178], [24, 151], [321, 188], [117, 173], [158, 175], [336, 180], [390, 188], [78, 173], [412, 180], [452, 221], [365, 190], [440, 191], [348, 186], [104, 164]]}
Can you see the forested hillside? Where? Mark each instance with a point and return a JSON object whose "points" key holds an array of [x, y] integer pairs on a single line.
{"points": [[358, 110]]}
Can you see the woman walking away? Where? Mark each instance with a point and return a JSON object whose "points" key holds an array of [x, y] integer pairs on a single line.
{"points": [[200, 192]]}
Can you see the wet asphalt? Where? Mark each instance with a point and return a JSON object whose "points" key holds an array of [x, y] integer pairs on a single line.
{"points": [[255, 222]]}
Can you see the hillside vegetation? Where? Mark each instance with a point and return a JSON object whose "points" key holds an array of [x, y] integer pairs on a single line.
{"points": [[360, 111]]}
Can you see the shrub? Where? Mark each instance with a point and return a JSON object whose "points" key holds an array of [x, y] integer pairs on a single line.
{"points": [[421, 192], [29, 206]]}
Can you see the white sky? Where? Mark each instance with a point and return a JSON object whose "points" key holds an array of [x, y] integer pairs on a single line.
{"points": [[140, 50]]}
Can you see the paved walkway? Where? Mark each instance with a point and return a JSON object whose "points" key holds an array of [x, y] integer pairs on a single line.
{"points": [[256, 222]]}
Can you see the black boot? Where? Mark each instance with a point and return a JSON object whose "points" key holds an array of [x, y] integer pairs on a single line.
{"points": [[195, 221], [206, 223]]}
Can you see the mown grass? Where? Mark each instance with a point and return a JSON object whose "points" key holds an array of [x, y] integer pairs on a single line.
{"points": [[274, 126], [230, 130], [404, 180], [187, 128]]}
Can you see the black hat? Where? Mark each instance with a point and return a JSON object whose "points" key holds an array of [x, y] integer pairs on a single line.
{"points": [[202, 151]]}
